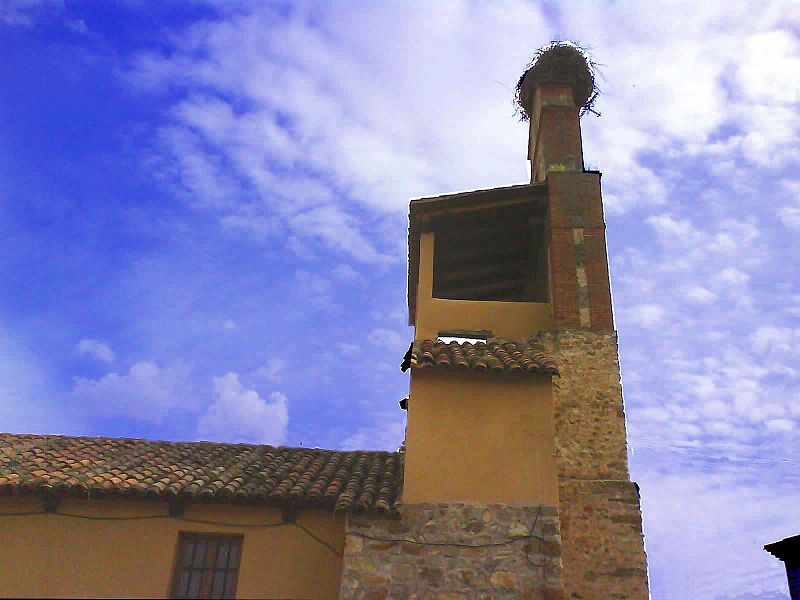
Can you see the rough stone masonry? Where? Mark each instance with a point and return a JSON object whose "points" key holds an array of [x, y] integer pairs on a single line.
{"points": [[590, 547], [601, 523], [454, 551]]}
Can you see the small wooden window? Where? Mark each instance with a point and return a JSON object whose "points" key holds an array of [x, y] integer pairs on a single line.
{"points": [[207, 566]]}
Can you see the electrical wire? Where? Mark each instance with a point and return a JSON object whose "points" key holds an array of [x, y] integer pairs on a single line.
{"points": [[180, 518], [455, 544], [505, 542], [531, 535]]}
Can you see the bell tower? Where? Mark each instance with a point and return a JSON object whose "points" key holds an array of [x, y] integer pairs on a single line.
{"points": [[516, 442]]}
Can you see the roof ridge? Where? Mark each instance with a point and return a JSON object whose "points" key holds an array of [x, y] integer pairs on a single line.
{"points": [[243, 445]]}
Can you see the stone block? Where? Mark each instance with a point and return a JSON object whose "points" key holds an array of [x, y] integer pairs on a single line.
{"points": [[504, 579]]}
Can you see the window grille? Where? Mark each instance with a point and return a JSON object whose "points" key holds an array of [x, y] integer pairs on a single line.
{"points": [[207, 566]]}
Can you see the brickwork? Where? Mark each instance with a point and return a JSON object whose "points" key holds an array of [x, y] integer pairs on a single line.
{"points": [[575, 200], [601, 528], [454, 552], [563, 278], [578, 276], [555, 136]]}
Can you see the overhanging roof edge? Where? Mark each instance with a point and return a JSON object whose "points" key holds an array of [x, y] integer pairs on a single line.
{"points": [[458, 202]]}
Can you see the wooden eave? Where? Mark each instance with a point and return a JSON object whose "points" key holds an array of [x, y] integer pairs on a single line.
{"points": [[422, 212]]}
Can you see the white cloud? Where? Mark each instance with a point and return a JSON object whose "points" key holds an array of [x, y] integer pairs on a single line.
{"points": [[776, 339], [733, 277], [785, 425], [789, 213], [316, 290], [646, 315], [386, 430], [346, 273], [714, 365], [348, 349], [336, 229], [77, 26], [29, 399], [241, 415], [675, 232], [146, 392], [770, 67], [274, 370], [313, 129], [700, 295], [24, 13], [694, 509], [388, 338], [96, 349], [320, 141]]}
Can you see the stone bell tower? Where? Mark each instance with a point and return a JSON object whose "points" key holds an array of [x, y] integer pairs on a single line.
{"points": [[516, 481]]}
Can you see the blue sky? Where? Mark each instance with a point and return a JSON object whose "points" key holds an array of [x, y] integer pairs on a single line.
{"points": [[203, 220]]}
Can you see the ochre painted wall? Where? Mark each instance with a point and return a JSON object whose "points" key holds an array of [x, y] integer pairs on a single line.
{"points": [[57, 556], [480, 437], [513, 320]]}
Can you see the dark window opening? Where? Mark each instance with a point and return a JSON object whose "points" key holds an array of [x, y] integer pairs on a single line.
{"points": [[207, 566], [496, 254]]}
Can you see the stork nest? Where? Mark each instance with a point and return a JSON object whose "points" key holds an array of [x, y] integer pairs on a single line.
{"points": [[559, 62]]}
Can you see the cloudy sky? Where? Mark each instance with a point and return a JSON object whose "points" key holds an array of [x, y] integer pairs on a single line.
{"points": [[203, 219]]}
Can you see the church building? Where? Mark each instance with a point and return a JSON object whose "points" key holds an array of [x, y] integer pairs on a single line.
{"points": [[512, 481]]}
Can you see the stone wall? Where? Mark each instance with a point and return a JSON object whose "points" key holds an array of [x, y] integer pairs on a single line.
{"points": [[587, 398], [601, 527], [454, 552]]}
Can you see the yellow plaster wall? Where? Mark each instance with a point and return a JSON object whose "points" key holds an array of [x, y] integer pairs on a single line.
{"points": [[58, 556], [513, 320], [480, 437]]}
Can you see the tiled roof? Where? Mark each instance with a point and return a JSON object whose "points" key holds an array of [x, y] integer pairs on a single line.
{"points": [[496, 356], [349, 481]]}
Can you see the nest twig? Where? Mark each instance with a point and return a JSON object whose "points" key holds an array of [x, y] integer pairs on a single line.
{"points": [[559, 62]]}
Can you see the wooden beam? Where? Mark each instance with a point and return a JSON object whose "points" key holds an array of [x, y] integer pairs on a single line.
{"points": [[443, 209], [493, 269]]}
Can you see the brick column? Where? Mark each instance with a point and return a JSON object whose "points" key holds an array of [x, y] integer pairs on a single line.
{"points": [[554, 142], [580, 293]]}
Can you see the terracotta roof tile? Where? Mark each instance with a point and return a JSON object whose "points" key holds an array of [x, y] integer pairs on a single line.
{"points": [[495, 356], [347, 481]]}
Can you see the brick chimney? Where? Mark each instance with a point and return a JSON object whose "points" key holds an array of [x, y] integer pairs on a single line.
{"points": [[552, 93]]}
